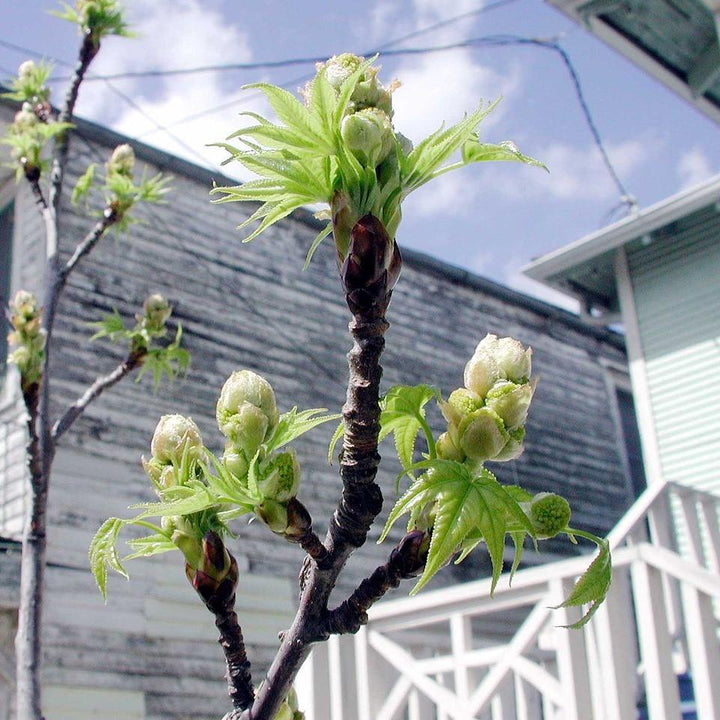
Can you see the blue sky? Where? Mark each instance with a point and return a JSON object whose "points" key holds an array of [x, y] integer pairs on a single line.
{"points": [[490, 219]]}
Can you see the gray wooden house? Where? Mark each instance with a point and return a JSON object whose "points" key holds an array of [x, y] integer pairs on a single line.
{"points": [[151, 652]]}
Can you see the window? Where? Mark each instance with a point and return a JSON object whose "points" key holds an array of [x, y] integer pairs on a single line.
{"points": [[630, 448], [7, 217]]}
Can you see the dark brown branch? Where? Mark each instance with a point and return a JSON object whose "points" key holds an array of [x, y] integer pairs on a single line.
{"points": [[368, 283], [406, 560], [88, 242], [299, 531], [219, 598], [133, 360], [33, 179]]}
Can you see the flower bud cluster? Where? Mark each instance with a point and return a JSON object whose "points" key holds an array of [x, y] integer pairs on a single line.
{"points": [[156, 311], [247, 415], [486, 418], [122, 160], [28, 335], [367, 133], [177, 449]]}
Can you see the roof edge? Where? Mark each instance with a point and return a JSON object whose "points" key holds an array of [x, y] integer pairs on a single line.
{"points": [[624, 231]]}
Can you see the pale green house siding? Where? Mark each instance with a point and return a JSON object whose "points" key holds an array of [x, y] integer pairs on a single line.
{"points": [[676, 283]]}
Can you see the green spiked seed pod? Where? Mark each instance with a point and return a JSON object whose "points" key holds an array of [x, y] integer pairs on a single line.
{"points": [[174, 436], [550, 514]]}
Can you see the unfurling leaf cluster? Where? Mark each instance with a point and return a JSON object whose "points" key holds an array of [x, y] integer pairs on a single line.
{"points": [[118, 192], [160, 361], [339, 148], [96, 18], [200, 493], [453, 497], [28, 336]]}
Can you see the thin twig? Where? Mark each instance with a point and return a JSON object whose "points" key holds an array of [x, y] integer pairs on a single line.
{"points": [[133, 360], [406, 560], [88, 243]]}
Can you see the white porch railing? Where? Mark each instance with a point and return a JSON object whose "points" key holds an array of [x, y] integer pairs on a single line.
{"points": [[457, 654]]}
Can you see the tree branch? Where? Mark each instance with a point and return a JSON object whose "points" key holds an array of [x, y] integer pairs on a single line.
{"points": [[133, 360], [88, 243], [406, 560], [368, 285], [27, 642]]}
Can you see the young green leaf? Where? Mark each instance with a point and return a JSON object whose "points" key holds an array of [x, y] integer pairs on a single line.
{"points": [[403, 414], [293, 424], [198, 499], [475, 151], [339, 432], [103, 553], [150, 545], [593, 585]]}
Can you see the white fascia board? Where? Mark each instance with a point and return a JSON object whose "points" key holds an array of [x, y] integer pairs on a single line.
{"points": [[624, 231], [639, 57]]}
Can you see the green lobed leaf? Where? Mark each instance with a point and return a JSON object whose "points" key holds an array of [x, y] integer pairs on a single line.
{"points": [[459, 505], [475, 151], [593, 585], [327, 230], [200, 499], [293, 424], [82, 186], [150, 545], [403, 414], [103, 553], [111, 326]]}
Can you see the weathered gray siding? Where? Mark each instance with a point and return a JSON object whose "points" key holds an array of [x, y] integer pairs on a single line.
{"points": [[252, 306]]}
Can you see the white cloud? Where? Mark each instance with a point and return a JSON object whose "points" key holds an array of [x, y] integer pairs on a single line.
{"points": [[171, 34], [575, 173], [693, 167]]}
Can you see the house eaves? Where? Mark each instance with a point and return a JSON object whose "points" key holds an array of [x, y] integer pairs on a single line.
{"points": [[585, 268], [675, 41]]}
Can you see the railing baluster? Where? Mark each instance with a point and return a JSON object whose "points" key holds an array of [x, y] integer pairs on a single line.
{"points": [[661, 686], [573, 669], [614, 629]]}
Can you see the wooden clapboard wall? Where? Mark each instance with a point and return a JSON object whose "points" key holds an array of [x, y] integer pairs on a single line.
{"points": [[251, 306]]}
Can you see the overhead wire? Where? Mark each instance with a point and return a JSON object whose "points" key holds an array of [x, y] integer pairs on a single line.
{"points": [[626, 198]]}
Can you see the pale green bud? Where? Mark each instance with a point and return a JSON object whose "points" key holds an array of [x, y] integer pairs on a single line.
{"points": [[25, 119], [235, 461], [550, 514], [280, 477], [510, 401], [513, 359], [122, 160], [24, 304], [26, 69], [513, 447], [273, 514], [186, 540], [482, 435], [340, 67], [368, 134], [22, 357], [461, 402], [481, 372], [161, 475], [447, 449], [246, 410], [156, 309], [174, 436]]}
